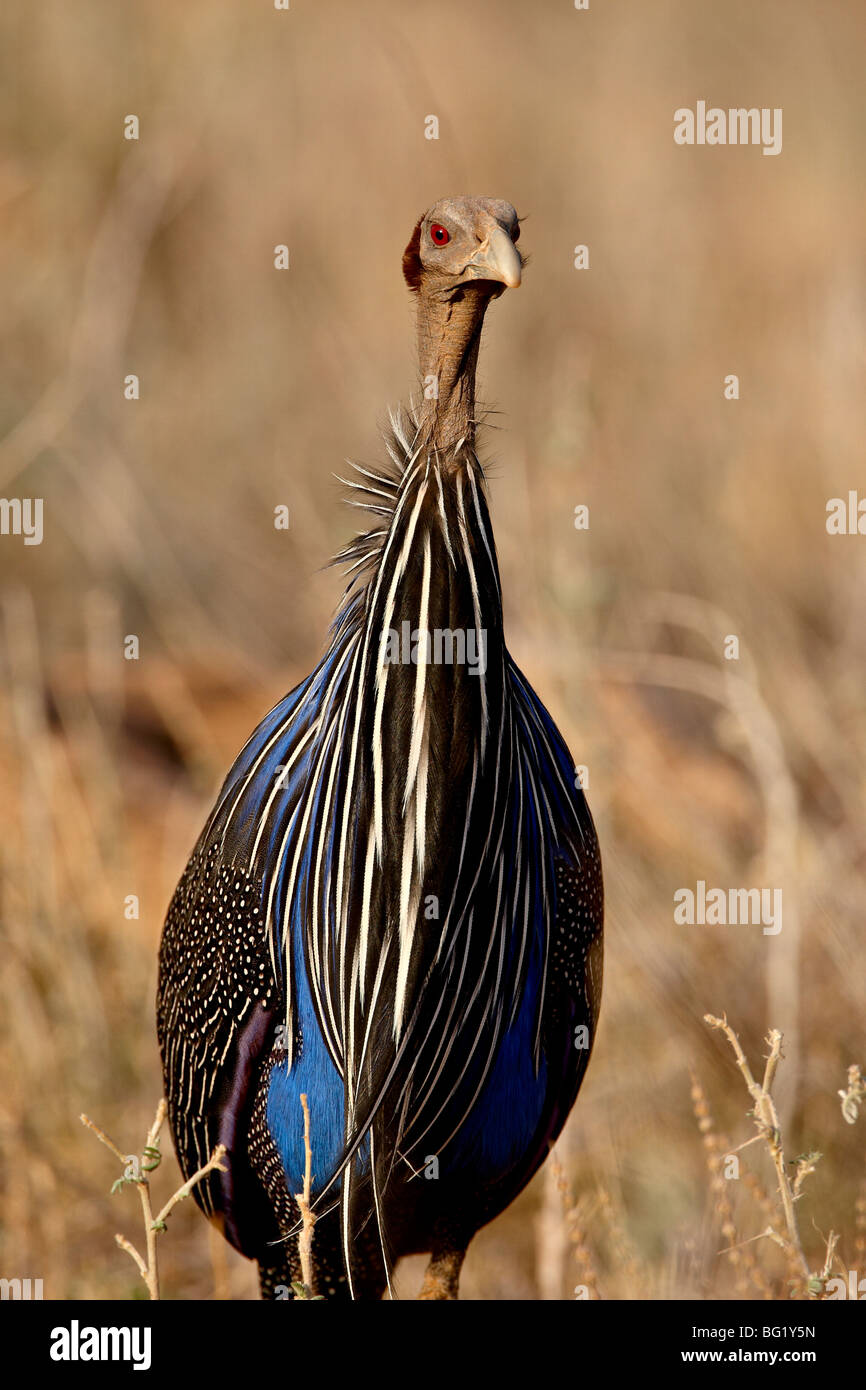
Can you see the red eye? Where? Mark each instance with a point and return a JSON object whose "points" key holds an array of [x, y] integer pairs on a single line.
{"points": [[439, 234]]}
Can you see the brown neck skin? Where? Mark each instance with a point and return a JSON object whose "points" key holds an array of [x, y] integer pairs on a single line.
{"points": [[449, 334]]}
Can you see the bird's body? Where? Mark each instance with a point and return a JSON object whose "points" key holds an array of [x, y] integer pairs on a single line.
{"points": [[395, 906]]}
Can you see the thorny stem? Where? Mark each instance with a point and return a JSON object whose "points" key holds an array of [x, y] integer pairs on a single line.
{"points": [[184, 1191], [767, 1121], [148, 1269], [103, 1137], [152, 1276], [308, 1218]]}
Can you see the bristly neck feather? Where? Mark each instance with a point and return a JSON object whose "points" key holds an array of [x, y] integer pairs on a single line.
{"points": [[455, 504]]}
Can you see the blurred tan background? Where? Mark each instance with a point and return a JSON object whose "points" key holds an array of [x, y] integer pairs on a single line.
{"points": [[707, 518]]}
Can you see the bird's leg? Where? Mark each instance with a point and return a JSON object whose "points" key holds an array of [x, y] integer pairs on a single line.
{"points": [[442, 1279]]}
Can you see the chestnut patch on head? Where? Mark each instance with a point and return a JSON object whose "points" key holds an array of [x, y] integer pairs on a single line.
{"points": [[412, 258]]}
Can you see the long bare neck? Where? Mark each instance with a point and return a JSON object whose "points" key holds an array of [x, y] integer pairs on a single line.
{"points": [[449, 334]]}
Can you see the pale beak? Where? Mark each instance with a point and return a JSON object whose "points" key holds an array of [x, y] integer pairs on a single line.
{"points": [[497, 258]]}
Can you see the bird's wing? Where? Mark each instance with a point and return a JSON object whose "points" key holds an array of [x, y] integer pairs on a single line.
{"points": [[220, 981]]}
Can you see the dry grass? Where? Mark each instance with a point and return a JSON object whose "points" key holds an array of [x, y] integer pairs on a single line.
{"points": [[706, 518]]}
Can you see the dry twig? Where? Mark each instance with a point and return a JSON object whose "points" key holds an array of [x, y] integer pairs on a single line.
{"points": [[135, 1171], [304, 1290], [767, 1122]]}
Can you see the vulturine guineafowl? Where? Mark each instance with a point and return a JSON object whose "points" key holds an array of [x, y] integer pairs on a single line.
{"points": [[396, 903]]}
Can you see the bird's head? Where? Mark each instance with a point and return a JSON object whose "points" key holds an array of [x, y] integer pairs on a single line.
{"points": [[461, 241]]}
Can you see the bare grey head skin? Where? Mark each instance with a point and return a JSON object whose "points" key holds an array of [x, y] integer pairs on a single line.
{"points": [[462, 254]]}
